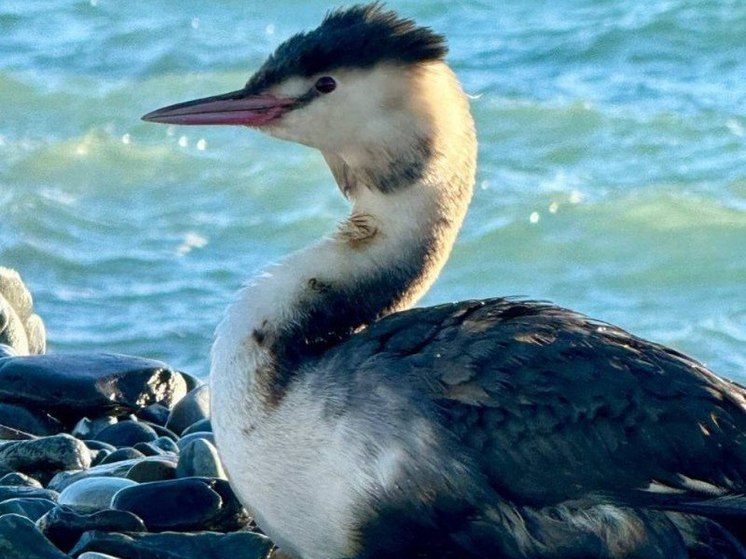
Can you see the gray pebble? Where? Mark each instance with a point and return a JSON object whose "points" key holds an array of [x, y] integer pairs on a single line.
{"points": [[152, 470], [23, 491], [92, 494], [205, 425], [164, 443], [200, 458], [127, 433], [126, 453], [115, 469], [193, 407], [185, 440], [32, 508]]}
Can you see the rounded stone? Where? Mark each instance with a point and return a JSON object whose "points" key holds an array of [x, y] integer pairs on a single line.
{"points": [[93, 493], [200, 458], [186, 504], [186, 439], [203, 426], [116, 469], [125, 453], [96, 555], [127, 433], [64, 525], [155, 413], [166, 444], [28, 420], [149, 449], [21, 539], [152, 470], [193, 407], [26, 492], [32, 508], [17, 478]]}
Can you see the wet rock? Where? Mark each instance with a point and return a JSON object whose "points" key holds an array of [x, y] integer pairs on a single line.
{"points": [[149, 449], [63, 526], [187, 439], [204, 545], [126, 453], [25, 492], [162, 431], [17, 478], [94, 493], [155, 413], [70, 386], [127, 433], [203, 426], [200, 458], [166, 445], [152, 470], [31, 508], [183, 505], [115, 469], [27, 420], [21, 539], [193, 407], [45, 455]]}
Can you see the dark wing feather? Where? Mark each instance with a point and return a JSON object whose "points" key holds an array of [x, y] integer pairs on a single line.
{"points": [[555, 406]]}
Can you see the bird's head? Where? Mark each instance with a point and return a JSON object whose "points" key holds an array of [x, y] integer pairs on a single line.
{"points": [[364, 87]]}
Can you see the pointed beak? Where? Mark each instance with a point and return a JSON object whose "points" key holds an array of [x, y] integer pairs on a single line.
{"points": [[237, 107]]}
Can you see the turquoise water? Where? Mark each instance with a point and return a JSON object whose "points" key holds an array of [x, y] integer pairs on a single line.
{"points": [[612, 166]]}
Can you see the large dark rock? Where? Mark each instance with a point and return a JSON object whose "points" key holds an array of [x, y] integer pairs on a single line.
{"points": [[64, 526], [21, 539], [184, 504], [45, 455], [171, 545], [70, 386]]}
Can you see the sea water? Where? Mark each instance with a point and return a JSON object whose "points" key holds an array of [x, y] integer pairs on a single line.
{"points": [[612, 166]]}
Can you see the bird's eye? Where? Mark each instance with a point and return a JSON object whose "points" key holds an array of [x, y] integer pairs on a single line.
{"points": [[325, 84]]}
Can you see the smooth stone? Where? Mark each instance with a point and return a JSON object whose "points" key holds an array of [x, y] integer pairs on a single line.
{"points": [[186, 439], [193, 407], [203, 426], [88, 428], [126, 453], [21, 539], [155, 413], [127, 433], [201, 545], [99, 456], [7, 351], [64, 525], [17, 478], [26, 492], [149, 449], [166, 444], [192, 382], [32, 508], [200, 458], [12, 331], [152, 470], [46, 455], [162, 431], [96, 555], [73, 385], [30, 421], [10, 434], [185, 504], [98, 445], [94, 493], [115, 469]]}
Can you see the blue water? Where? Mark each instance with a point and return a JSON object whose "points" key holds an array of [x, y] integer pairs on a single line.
{"points": [[612, 166]]}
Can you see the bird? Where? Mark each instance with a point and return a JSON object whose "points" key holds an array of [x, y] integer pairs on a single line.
{"points": [[353, 424]]}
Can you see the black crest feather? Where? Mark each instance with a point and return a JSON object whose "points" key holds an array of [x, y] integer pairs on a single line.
{"points": [[356, 37]]}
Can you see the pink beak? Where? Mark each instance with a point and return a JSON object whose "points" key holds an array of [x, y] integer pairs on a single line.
{"points": [[236, 107]]}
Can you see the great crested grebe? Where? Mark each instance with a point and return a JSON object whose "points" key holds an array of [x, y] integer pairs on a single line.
{"points": [[352, 427]]}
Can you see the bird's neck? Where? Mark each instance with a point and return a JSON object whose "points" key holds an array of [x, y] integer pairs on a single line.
{"points": [[380, 260]]}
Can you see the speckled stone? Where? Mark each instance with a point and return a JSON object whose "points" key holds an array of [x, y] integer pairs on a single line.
{"points": [[184, 505], [193, 407], [47, 455], [93, 493], [21, 539], [74, 385], [204, 545], [200, 458], [64, 525], [127, 433], [31, 508], [17, 478]]}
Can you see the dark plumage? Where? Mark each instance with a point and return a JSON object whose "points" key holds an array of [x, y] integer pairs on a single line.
{"points": [[356, 37]]}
